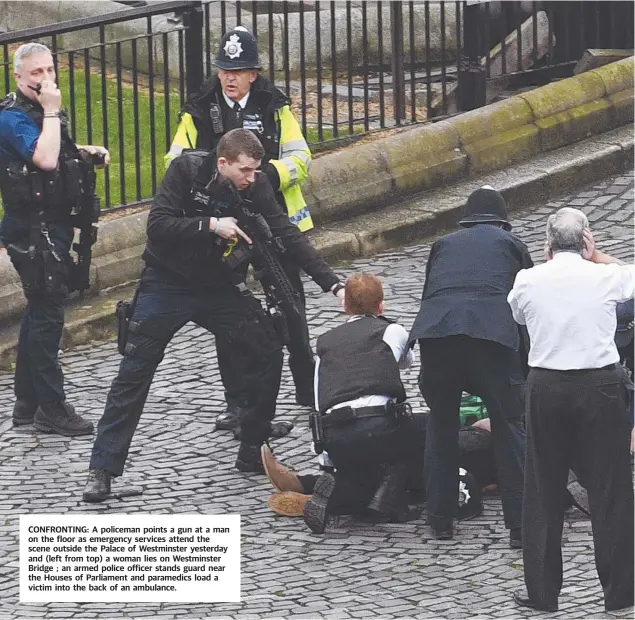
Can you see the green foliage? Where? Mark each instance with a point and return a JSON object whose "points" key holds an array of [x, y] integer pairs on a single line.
{"points": [[112, 106]]}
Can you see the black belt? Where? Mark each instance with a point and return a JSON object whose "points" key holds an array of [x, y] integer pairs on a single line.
{"points": [[345, 415], [607, 367]]}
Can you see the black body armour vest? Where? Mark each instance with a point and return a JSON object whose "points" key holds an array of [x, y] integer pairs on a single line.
{"points": [[209, 199], [214, 118], [26, 188], [355, 361]]}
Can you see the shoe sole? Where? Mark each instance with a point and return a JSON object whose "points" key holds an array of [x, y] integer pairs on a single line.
{"points": [[45, 428], [315, 508], [22, 421], [288, 503], [521, 602]]}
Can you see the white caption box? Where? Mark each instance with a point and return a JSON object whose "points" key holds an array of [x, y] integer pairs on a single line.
{"points": [[126, 558]]}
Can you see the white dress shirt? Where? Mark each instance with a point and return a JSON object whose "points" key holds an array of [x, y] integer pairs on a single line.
{"points": [[242, 103], [568, 305], [396, 337]]}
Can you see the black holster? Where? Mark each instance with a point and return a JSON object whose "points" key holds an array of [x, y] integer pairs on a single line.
{"points": [[317, 431], [401, 411], [123, 312]]}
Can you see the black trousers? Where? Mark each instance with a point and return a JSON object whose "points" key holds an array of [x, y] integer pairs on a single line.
{"points": [[492, 371], [164, 306], [578, 419], [361, 451], [301, 361], [38, 374]]}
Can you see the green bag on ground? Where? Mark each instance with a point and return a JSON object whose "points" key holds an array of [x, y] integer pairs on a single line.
{"points": [[472, 409]]}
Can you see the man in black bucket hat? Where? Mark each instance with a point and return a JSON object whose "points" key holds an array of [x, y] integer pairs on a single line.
{"points": [[470, 342]]}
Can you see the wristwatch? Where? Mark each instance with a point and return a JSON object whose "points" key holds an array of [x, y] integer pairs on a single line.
{"points": [[337, 288]]}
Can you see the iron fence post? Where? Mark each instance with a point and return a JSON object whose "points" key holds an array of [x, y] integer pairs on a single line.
{"points": [[398, 84], [194, 70], [472, 75]]}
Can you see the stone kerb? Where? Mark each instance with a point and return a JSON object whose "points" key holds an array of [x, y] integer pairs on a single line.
{"points": [[497, 135], [348, 182], [619, 81], [425, 157], [570, 110], [11, 296], [117, 253]]}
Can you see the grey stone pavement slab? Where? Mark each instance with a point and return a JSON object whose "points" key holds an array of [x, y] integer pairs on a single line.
{"points": [[355, 570]]}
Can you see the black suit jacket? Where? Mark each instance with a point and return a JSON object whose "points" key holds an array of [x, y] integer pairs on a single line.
{"points": [[469, 274]]}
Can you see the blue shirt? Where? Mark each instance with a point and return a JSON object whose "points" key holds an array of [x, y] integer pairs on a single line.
{"points": [[18, 135]]}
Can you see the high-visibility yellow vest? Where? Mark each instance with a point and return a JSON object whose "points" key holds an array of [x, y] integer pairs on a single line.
{"points": [[292, 165]]}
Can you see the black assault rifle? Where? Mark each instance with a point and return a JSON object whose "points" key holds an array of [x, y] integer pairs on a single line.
{"points": [[85, 218], [282, 300]]}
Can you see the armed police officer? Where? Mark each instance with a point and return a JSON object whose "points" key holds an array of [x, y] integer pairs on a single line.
{"points": [[375, 442], [47, 182], [193, 236], [237, 96]]}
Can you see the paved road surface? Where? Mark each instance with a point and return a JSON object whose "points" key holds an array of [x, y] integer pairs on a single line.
{"points": [[355, 570]]}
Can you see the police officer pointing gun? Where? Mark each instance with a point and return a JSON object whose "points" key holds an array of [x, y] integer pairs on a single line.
{"points": [[193, 229], [47, 184], [237, 96]]}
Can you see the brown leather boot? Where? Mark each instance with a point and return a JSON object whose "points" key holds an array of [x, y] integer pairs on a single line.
{"points": [[282, 478]]}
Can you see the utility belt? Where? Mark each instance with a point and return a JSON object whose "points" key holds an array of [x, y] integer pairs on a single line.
{"points": [[343, 416]]}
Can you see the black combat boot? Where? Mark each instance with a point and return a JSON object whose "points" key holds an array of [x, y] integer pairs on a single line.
{"points": [[97, 487], [230, 418], [316, 509], [23, 412], [249, 459], [390, 499], [61, 419]]}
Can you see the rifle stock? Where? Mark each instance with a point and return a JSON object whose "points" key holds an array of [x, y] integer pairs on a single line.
{"points": [[85, 219]]}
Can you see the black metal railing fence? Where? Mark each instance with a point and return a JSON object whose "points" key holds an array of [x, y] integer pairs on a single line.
{"points": [[350, 68]]}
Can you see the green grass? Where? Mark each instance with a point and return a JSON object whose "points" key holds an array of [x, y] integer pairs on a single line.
{"points": [[136, 123]]}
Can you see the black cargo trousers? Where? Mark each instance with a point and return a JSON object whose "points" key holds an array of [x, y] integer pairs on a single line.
{"points": [[163, 306]]}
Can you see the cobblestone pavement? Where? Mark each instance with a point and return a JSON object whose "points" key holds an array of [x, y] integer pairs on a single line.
{"points": [[355, 570]]}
